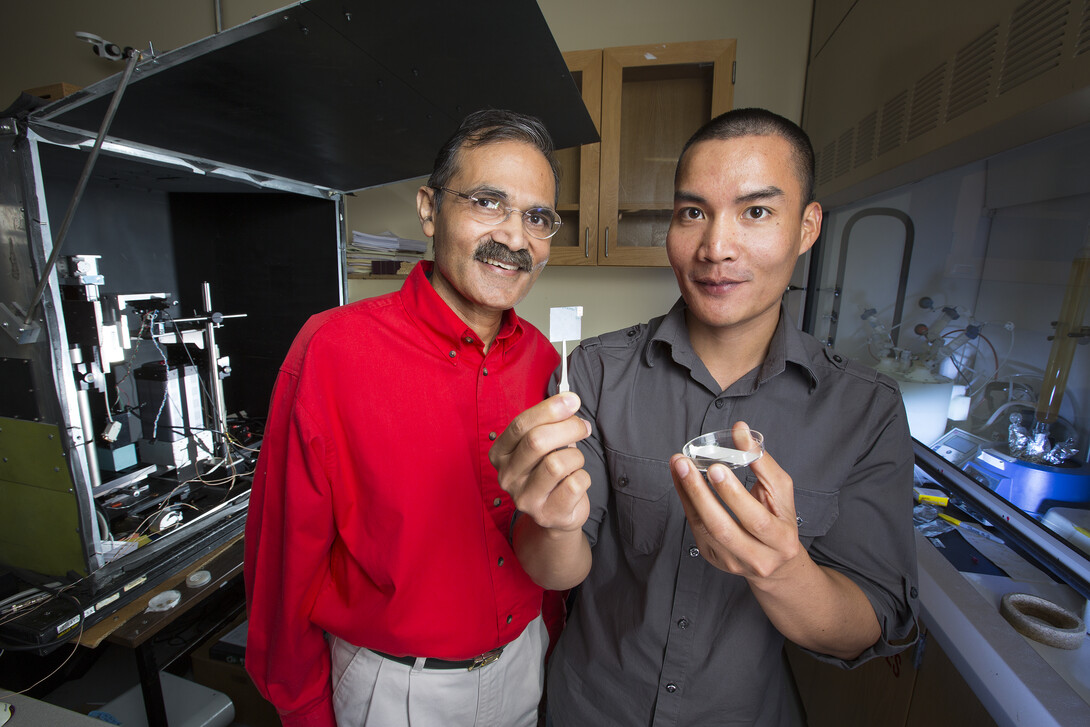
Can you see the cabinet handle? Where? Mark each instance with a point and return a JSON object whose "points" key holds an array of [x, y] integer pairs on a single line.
{"points": [[586, 243], [607, 242]]}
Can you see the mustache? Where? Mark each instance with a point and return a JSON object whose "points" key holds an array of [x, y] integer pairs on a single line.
{"points": [[492, 250]]}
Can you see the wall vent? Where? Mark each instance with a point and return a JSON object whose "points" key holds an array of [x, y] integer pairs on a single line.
{"points": [[864, 140], [1034, 42], [974, 66], [824, 162], [891, 127], [1082, 39], [844, 153], [926, 110], [1035, 38]]}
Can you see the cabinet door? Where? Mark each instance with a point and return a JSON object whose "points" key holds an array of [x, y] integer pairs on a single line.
{"points": [[653, 98], [576, 243]]}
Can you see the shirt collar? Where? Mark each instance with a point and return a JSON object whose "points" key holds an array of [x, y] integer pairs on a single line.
{"points": [[437, 318], [793, 345], [670, 334]]}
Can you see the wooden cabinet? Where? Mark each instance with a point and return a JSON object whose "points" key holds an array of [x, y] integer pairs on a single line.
{"points": [[920, 687], [616, 196], [576, 243]]}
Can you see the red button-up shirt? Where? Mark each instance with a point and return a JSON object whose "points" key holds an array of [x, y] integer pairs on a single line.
{"points": [[375, 514]]}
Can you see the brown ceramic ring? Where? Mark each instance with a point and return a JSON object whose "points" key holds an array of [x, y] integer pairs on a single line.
{"points": [[1043, 621]]}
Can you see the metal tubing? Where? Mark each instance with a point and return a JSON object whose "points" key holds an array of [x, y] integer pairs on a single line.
{"points": [[1064, 340], [902, 280], [218, 404], [83, 400], [115, 101]]}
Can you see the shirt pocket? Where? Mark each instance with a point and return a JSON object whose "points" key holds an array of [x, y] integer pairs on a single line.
{"points": [[640, 487], [815, 512]]}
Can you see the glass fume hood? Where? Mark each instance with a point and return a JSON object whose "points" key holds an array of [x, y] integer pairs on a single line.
{"points": [[970, 288]]}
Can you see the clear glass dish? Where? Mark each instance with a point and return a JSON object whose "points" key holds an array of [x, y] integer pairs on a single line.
{"points": [[733, 448]]}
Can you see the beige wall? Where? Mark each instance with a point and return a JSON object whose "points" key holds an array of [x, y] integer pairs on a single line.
{"points": [[38, 47]]}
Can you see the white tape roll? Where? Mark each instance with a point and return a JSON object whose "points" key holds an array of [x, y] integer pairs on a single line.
{"points": [[164, 601], [196, 579]]}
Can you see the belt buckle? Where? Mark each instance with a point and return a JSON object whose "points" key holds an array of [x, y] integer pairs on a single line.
{"points": [[485, 659]]}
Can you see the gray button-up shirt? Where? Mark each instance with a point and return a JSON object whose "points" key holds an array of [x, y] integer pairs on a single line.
{"points": [[660, 637]]}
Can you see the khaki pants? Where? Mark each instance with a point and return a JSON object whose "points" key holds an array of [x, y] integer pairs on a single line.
{"points": [[372, 691]]}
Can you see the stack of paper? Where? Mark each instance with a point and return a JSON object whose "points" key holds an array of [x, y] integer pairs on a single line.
{"points": [[383, 254], [387, 243]]}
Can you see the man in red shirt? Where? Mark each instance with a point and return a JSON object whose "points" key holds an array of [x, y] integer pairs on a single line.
{"points": [[380, 579]]}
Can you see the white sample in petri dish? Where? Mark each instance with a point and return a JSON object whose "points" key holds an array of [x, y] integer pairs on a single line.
{"points": [[733, 448]]}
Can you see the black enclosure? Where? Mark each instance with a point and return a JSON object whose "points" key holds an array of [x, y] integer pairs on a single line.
{"points": [[269, 255], [343, 94]]}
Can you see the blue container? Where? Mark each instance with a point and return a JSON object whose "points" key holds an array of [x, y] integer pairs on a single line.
{"points": [[1032, 487]]}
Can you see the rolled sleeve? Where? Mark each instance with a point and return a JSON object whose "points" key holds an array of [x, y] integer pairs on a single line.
{"points": [[871, 541]]}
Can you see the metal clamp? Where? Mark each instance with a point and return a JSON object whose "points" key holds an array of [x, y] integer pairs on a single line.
{"points": [[485, 659]]}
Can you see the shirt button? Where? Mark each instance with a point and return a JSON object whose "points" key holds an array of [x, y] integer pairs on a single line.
{"points": [[683, 623], [468, 339], [718, 403], [913, 592], [492, 436], [694, 552], [509, 619], [671, 687], [497, 502], [500, 561], [453, 354], [486, 372], [623, 482], [798, 520]]}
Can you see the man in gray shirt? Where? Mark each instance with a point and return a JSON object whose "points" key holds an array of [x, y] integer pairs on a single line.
{"points": [[682, 609]]}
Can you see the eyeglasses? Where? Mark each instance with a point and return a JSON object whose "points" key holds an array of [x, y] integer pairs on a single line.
{"points": [[539, 222]]}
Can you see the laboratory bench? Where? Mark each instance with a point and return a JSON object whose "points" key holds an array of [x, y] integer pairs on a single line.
{"points": [[970, 665], [1018, 680]]}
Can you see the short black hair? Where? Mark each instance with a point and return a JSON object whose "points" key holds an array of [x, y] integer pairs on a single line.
{"points": [[760, 122], [489, 126]]}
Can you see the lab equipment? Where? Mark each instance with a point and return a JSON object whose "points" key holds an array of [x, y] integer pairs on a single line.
{"points": [[1069, 330], [1030, 486], [958, 446]]}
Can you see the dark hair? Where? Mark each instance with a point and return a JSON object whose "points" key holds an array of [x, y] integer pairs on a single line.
{"points": [[760, 122], [489, 126]]}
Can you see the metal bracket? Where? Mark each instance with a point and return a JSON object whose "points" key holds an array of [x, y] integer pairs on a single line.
{"points": [[14, 324]]}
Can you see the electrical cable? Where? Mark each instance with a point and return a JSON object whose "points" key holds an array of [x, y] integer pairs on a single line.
{"points": [[104, 523], [132, 361]]}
